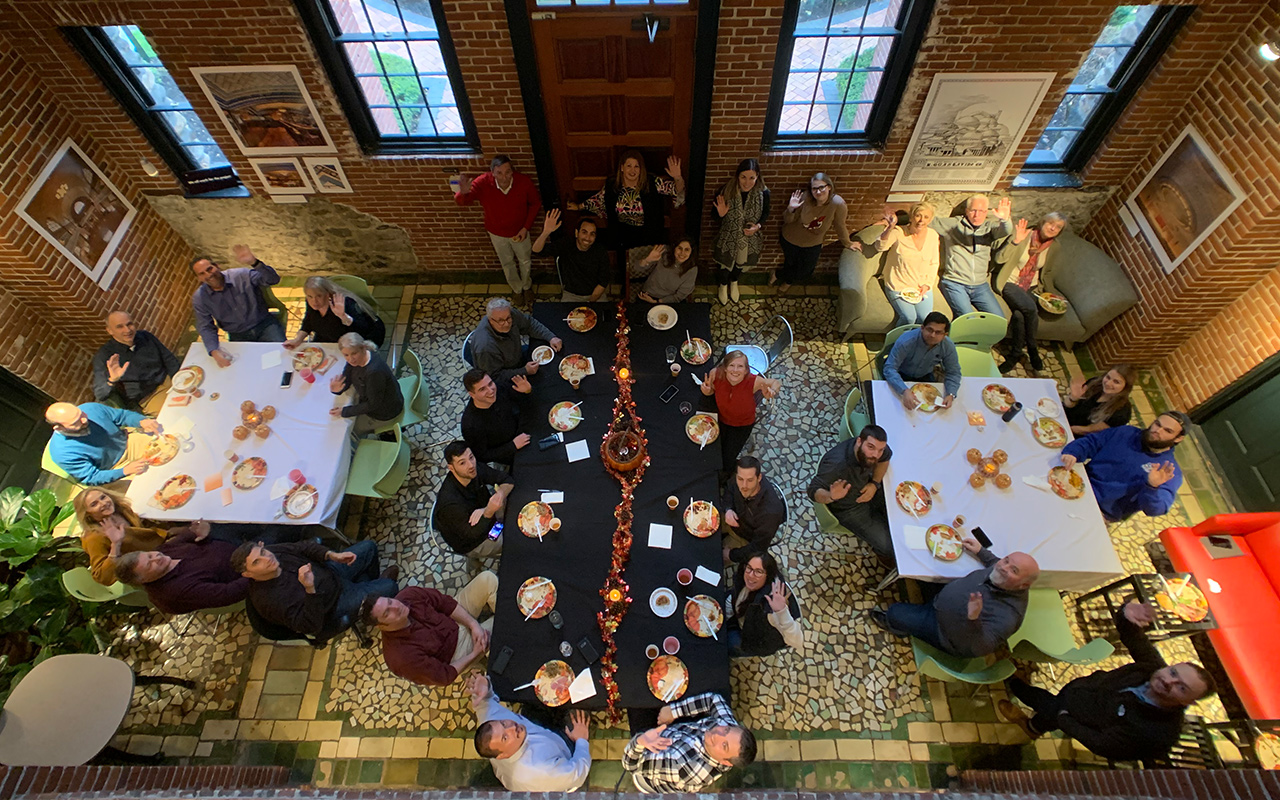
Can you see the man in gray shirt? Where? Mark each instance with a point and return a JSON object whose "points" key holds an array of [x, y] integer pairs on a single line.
{"points": [[232, 300], [967, 242], [495, 343], [972, 616], [848, 483], [916, 353]]}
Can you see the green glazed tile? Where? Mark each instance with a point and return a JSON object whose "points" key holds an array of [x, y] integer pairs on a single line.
{"points": [[259, 754], [353, 773], [371, 772], [308, 750], [287, 752], [400, 772], [426, 773], [861, 775], [339, 773], [303, 770]]}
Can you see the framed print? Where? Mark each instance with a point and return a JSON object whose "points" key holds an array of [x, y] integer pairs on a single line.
{"points": [[74, 206], [282, 175], [968, 129], [1186, 195], [266, 109], [328, 176]]}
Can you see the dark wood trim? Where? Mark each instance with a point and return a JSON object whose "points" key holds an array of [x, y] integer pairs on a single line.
{"points": [[704, 84], [535, 112], [1246, 383]]}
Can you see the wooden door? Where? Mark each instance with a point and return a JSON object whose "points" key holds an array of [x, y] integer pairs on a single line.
{"points": [[606, 88], [1245, 437], [24, 434]]}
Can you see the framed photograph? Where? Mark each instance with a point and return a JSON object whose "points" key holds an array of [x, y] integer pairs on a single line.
{"points": [[1187, 194], [327, 175], [74, 206], [282, 175], [968, 129], [266, 109]]}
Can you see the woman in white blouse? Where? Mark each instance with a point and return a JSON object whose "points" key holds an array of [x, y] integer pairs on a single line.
{"points": [[911, 270], [764, 616]]}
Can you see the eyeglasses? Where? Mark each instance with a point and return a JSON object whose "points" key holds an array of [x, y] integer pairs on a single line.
{"points": [[821, 188]]}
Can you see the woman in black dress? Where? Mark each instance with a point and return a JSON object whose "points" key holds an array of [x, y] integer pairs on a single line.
{"points": [[1101, 402], [378, 399], [332, 313], [764, 616]]}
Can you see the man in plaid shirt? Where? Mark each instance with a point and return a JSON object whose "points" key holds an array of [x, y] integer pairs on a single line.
{"points": [[697, 740]]}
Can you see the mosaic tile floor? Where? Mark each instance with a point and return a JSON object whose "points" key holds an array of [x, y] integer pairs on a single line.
{"points": [[848, 712]]}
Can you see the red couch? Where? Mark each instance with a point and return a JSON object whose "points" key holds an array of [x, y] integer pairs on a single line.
{"points": [[1244, 595]]}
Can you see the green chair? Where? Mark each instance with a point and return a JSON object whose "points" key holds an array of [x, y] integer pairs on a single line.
{"points": [[883, 355], [827, 522], [977, 363], [855, 417], [47, 464], [417, 398], [937, 664], [379, 468], [1045, 634], [359, 289], [277, 306], [978, 330], [216, 613], [80, 584]]}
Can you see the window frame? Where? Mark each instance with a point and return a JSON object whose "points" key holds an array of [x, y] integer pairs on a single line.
{"points": [[1147, 51], [322, 25], [913, 19], [93, 45]]}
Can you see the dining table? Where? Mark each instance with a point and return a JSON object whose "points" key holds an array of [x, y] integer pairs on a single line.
{"points": [[577, 556], [1067, 537], [296, 475]]}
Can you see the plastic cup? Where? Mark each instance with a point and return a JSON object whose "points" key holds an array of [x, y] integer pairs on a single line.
{"points": [[685, 576], [671, 645], [651, 652], [297, 477], [675, 369], [673, 502], [555, 523], [307, 375], [575, 383]]}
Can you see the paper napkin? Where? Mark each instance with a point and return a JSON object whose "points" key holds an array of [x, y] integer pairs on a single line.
{"points": [[660, 536], [707, 576], [270, 359], [213, 483], [182, 427], [576, 451], [552, 497], [1036, 483], [591, 366], [281, 487], [226, 495], [582, 687], [914, 537]]}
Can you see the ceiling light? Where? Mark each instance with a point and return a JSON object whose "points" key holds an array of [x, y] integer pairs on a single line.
{"points": [[1270, 50]]}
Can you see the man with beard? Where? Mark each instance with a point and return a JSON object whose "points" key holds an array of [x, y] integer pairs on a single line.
{"points": [[1133, 712], [496, 345], [848, 483], [974, 615], [232, 300], [491, 418], [134, 367], [1132, 469]]}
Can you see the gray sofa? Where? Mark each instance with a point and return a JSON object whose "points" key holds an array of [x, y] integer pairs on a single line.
{"points": [[1094, 285]]}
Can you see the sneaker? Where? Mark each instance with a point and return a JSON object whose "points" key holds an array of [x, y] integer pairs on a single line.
{"points": [[773, 276], [733, 292], [724, 295], [881, 620], [1014, 714], [390, 573], [783, 288], [1008, 365]]}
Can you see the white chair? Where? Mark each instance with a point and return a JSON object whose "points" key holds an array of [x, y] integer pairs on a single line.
{"points": [[758, 359]]}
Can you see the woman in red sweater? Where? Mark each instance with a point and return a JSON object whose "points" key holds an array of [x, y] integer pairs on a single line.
{"points": [[735, 387]]}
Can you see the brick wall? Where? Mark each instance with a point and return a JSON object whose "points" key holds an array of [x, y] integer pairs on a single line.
{"points": [[1172, 784], [82, 781]]}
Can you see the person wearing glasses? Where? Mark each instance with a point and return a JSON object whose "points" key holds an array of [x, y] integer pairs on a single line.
{"points": [[808, 217], [967, 242]]}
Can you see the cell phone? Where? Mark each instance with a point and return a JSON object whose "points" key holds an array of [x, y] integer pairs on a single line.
{"points": [[588, 652], [551, 441], [500, 661], [668, 393], [982, 538], [495, 531], [286, 379]]}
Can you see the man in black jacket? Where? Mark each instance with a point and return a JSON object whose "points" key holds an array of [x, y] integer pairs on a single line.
{"points": [[753, 511], [1125, 714], [466, 510], [134, 367], [491, 418]]}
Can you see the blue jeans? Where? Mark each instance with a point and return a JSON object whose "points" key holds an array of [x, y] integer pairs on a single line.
{"points": [[357, 580], [269, 330], [909, 313], [963, 298], [916, 619]]}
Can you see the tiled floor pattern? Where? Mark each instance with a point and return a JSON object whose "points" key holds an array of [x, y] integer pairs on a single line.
{"points": [[849, 712]]}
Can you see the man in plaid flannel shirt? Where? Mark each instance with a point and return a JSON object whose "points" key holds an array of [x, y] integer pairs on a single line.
{"points": [[697, 740]]}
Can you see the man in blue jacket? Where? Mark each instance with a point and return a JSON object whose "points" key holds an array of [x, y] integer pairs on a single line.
{"points": [[90, 441], [1132, 469]]}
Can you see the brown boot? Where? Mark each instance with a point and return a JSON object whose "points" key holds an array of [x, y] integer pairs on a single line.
{"points": [[390, 573], [1014, 714]]}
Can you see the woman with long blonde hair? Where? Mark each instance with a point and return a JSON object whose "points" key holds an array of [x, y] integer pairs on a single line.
{"points": [[734, 387], [110, 528], [332, 312], [377, 393]]}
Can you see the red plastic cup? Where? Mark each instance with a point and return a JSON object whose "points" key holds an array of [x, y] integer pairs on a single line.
{"points": [[307, 375], [297, 477], [671, 645]]}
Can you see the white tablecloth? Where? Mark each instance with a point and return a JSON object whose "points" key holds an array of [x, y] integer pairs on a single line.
{"points": [[1067, 537], [303, 436]]}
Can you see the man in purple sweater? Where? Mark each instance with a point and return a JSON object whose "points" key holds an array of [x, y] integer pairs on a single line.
{"points": [[189, 572]]}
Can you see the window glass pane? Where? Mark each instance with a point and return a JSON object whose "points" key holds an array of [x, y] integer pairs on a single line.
{"points": [[448, 121], [388, 121], [395, 58], [863, 86], [875, 52], [377, 92], [351, 16], [553, 3], [1126, 24], [438, 90], [822, 119], [1052, 147], [1099, 67], [831, 87], [813, 15], [848, 14], [1075, 110], [593, 2], [160, 87], [417, 16], [186, 126], [132, 46], [807, 54], [384, 18], [800, 86], [363, 58], [854, 117], [427, 58], [840, 53], [206, 156], [794, 118], [416, 121], [884, 15]]}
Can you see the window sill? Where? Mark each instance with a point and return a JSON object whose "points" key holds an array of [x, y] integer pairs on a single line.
{"points": [[1047, 180]]}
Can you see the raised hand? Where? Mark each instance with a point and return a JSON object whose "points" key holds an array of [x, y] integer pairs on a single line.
{"points": [[477, 686], [797, 198], [578, 727], [338, 305], [1140, 614], [521, 384], [552, 221], [338, 384], [243, 254], [653, 740], [116, 370], [839, 489], [722, 207], [1161, 475], [1004, 207], [889, 217], [673, 167], [777, 599], [975, 605], [656, 252], [1020, 231]]}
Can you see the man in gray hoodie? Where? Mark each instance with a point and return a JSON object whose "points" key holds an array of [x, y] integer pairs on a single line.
{"points": [[967, 243]]}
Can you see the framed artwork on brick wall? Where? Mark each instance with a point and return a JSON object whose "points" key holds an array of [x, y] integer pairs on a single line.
{"points": [[282, 175], [74, 206], [266, 109], [328, 176], [1186, 195], [968, 129]]}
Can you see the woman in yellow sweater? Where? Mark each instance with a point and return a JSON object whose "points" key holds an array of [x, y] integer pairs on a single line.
{"points": [[111, 528], [911, 270]]}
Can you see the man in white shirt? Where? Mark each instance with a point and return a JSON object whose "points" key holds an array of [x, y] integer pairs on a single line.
{"points": [[527, 757]]}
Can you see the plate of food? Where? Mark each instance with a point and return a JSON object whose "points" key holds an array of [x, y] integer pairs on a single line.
{"points": [[703, 616], [250, 473], [536, 597], [551, 683], [543, 354], [1267, 748], [701, 519], [1048, 407], [1049, 432], [1184, 600], [668, 678], [927, 395], [997, 397], [913, 497], [535, 519], [564, 416], [581, 319], [162, 449], [1053, 303], [912, 296], [662, 317], [662, 602], [301, 501], [176, 492], [308, 357], [187, 379], [1066, 483], [695, 350], [702, 429], [943, 542], [575, 367]]}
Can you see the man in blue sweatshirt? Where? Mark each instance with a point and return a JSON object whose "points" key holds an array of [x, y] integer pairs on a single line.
{"points": [[90, 441], [1132, 469]]}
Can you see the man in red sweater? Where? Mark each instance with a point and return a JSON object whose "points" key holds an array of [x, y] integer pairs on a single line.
{"points": [[429, 637], [511, 204]]}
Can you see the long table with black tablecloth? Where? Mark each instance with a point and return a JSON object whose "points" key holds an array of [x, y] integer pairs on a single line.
{"points": [[577, 557]]}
